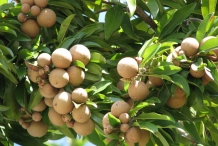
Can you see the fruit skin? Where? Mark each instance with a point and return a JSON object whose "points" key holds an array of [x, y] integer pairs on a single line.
{"points": [[155, 81], [30, 27], [25, 8], [46, 18], [133, 135], [84, 129], [124, 118], [176, 102], [81, 114], [81, 53], [37, 129], [119, 107], [55, 118], [79, 95], [35, 10], [41, 3], [76, 75], [36, 116], [190, 46], [44, 59], [30, 2], [105, 120], [61, 58], [127, 67], [58, 78], [195, 72], [124, 127], [144, 138], [48, 91], [179, 92], [48, 102], [138, 90], [21, 17], [40, 106], [62, 103]]}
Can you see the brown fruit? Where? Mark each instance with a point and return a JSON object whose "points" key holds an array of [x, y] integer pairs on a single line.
{"points": [[127, 67], [21, 17], [62, 103], [108, 129], [84, 129], [48, 102], [207, 77], [133, 135], [76, 75], [58, 78], [44, 59], [21, 121], [66, 117], [149, 84], [61, 58], [176, 102], [70, 124], [155, 81], [30, 2], [41, 3], [37, 129], [35, 10], [36, 116], [124, 118], [48, 91], [55, 118], [145, 137], [32, 74], [25, 125], [124, 127], [25, 8], [79, 95], [30, 27], [190, 46], [81, 53], [195, 72], [81, 113], [40, 106], [119, 107], [46, 18], [179, 92], [105, 120], [130, 101], [138, 90]]}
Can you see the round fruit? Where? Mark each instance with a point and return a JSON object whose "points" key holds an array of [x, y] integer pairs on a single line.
{"points": [[207, 77], [30, 27], [36, 116], [84, 129], [127, 67], [55, 118], [190, 46], [70, 124], [105, 120], [108, 129], [58, 78], [179, 92], [79, 95], [35, 10], [66, 117], [25, 125], [81, 53], [62, 103], [176, 102], [21, 17], [61, 58], [133, 135], [44, 59], [76, 75], [155, 81], [30, 2], [40, 106], [119, 107], [46, 18], [130, 101], [25, 8], [21, 121], [124, 118], [144, 138], [32, 74], [41, 3], [48, 102], [138, 90], [37, 129], [81, 113], [124, 127], [149, 84], [195, 72], [48, 91]]}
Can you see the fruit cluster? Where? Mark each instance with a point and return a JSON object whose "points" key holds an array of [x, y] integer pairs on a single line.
{"points": [[52, 73], [33, 15]]}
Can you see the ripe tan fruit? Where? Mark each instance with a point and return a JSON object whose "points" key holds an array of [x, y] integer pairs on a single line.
{"points": [[81, 113], [40, 106], [21, 17], [155, 81], [207, 77], [61, 58], [119, 107], [105, 120], [133, 135], [127, 67], [130, 101], [36, 116], [76, 75], [79, 95], [144, 138], [66, 117], [48, 91], [195, 72], [58, 78], [55, 118], [81, 53], [46, 18], [124, 127], [138, 90], [21, 121], [62, 103], [149, 84], [32, 74], [44, 59], [41, 3], [176, 102], [190, 46], [25, 8], [124, 118], [35, 10], [37, 129], [30, 2], [30, 27], [84, 129], [179, 92], [48, 102], [25, 125], [108, 129]]}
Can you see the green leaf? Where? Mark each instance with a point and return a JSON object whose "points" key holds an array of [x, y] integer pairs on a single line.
{"points": [[208, 7], [153, 7], [113, 19], [64, 5], [24, 54], [21, 93], [67, 132], [113, 120], [181, 82], [132, 6], [35, 98], [6, 50], [139, 107], [95, 138], [5, 5], [92, 77], [4, 108], [94, 68], [209, 45], [7, 30], [147, 126], [100, 86], [97, 58], [79, 63], [146, 45], [166, 70], [162, 139], [64, 27], [154, 116]]}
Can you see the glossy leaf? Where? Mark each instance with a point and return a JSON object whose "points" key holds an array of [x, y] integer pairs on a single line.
{"points": [[95, 138], [181, 82], [6, 29], [166, 70], [208, 7], [100, 86], [6, 50], [153, 6], [97, 58], [132, 6], [209, 45], [4, 108], [113, 120]]}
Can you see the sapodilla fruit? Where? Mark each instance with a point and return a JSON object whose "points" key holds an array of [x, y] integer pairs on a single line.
{"points": [[35, 10], [44, 59], [176, 102], [120, 85], [61, 58], [190, 46], [127, 67], [155, 81], [36, 116], [55, 118], [79, 95], [145, 137], [21, 17], [124, 127], [66, 117], [76, 75], [58, 78], [30, 2], [62, 103], [179, 92], [81, 113], [40, 106], [37, 129], [32, 74], [133, 134], [46, 18], [48, 102], [41, 3], [105, 120], [138, 90], [30, 27], [84, 129], [81, 53], [119, 107], [124, 118], [195, 72], [25, 8], [108, 129], [25, 125], [48, 91]]}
